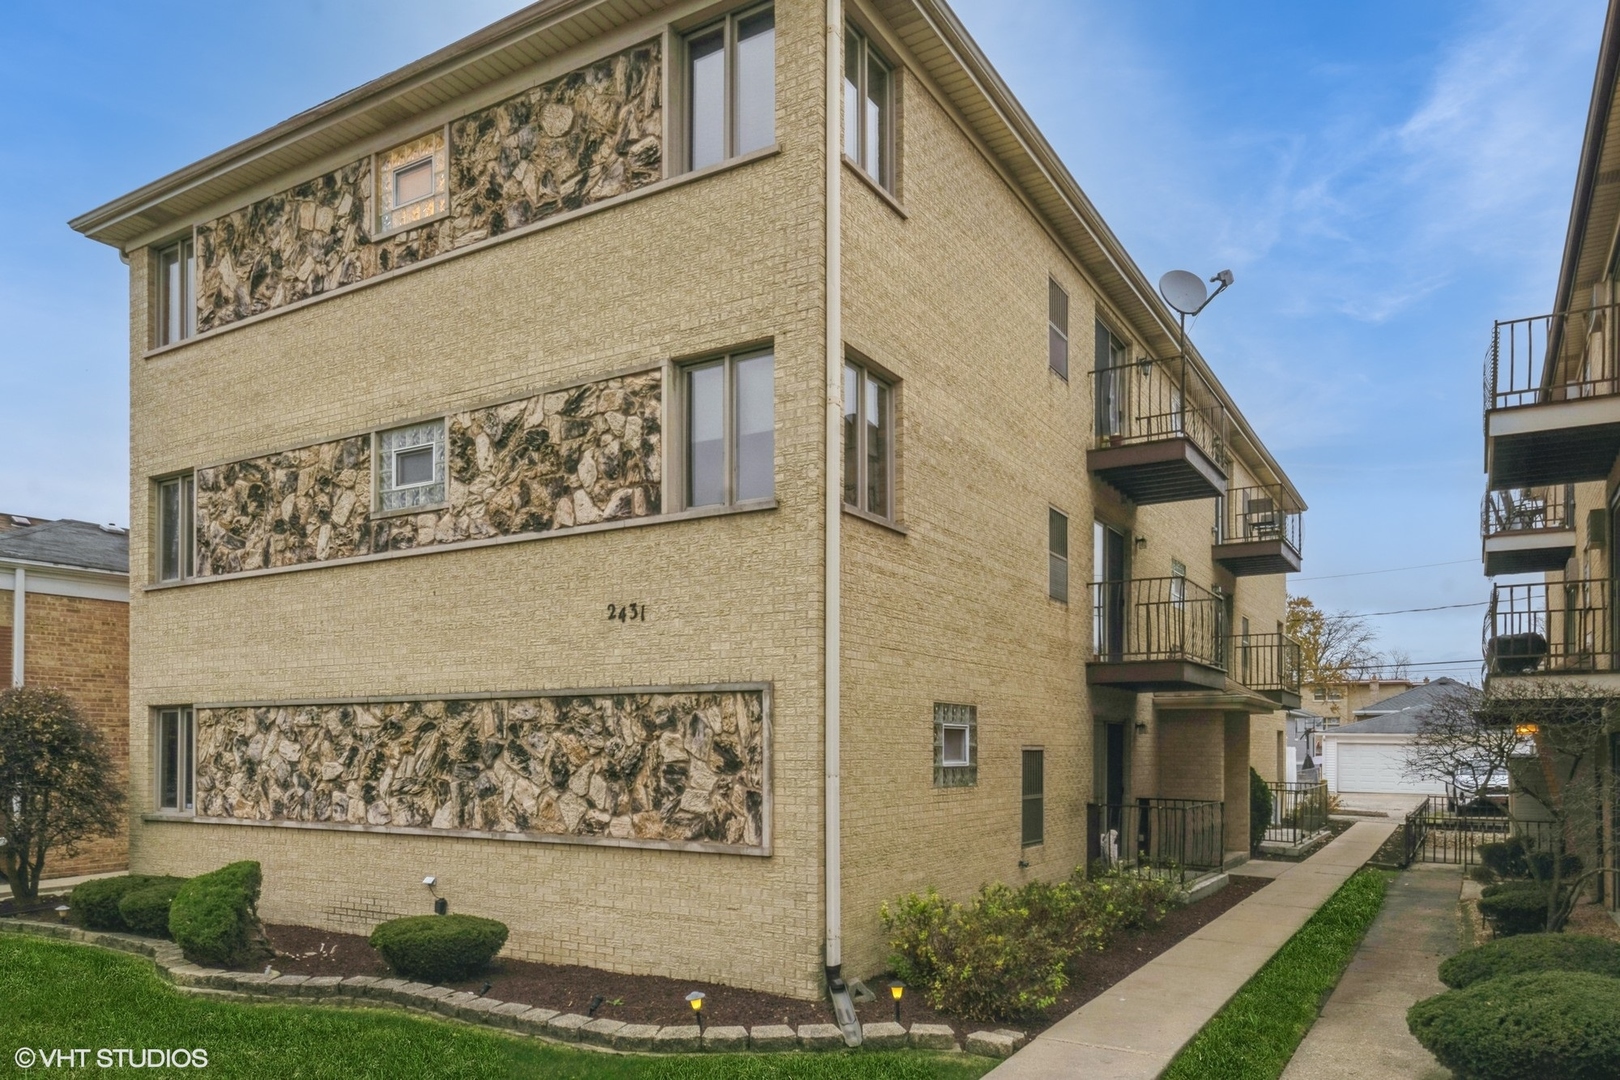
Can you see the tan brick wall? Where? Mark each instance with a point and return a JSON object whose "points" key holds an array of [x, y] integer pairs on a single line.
{"points": [[81, 647], [726, 261]]}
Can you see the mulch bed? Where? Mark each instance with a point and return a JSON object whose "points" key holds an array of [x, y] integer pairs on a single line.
{"points": [[647, 999], [1335, 828]]}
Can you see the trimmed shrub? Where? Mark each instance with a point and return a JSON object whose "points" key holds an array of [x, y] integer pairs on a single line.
{"points": [[1514, 907], [145, 910], [215, 918], [95, 903], [1525, 1027], [1259, 809], [438, 948], [1529, 953], [1514, 858]]}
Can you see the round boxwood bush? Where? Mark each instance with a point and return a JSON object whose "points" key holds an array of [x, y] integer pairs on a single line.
{"points": [[1525, 1027], [95, 903], [215, 917], [145, 910], [1514, 907], [1530, 953], [438, 948]]}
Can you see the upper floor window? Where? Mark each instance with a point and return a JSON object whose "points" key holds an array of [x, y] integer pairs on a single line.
{"points": [[731, 87], [176, 292], [176, 749], [868, 442], [730, 436], [1112, 357], [410, 466], [1057, 317], [176, 500], [868, 108], [411, 183], [1057, 545]]}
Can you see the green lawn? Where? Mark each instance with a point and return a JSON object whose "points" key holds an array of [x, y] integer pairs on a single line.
{"points": [[59, 995], [1253, 1037]]}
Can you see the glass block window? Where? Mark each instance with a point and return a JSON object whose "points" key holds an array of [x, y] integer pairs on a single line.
{"points": [[411, 184], [956, 745], [410, 467]]}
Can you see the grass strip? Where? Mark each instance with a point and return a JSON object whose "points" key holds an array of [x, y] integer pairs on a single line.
{"points": [[1257, 1032], [64, 996]]}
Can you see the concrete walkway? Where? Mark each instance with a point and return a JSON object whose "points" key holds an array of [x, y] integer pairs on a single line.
{"points": [[1132, 1031], [1362, 1033], [59, 884]]}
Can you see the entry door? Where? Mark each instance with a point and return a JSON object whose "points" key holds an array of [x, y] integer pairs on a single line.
{"points": [[1108, 562], [1113, 791]]}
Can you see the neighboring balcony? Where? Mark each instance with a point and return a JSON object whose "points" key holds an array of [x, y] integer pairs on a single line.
{"points": [[1161, 433], [1528, 530], [1268, 664], [1260, 533], [1157, 634], [1552, 404], [1551, 628]]}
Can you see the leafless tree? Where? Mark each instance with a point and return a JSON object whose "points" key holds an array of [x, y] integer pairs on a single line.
{"points": [[1455, 748], [1335, 647]]}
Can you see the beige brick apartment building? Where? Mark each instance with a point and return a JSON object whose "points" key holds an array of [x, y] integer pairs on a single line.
{"points": [[64, 624], [647, 466], [1552, 506]]}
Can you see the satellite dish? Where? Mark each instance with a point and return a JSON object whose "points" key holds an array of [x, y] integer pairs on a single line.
{"points": [[1184, 291]]}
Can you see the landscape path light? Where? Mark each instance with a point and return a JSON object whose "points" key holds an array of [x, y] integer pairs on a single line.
{"points": [[695, 999], [896, 989]]}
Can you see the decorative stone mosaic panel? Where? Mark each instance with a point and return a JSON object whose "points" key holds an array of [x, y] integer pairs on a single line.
{"points": [[574, 457], [668, 767], [580, 139]]}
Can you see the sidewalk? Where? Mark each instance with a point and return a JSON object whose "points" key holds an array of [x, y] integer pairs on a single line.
{"points": [[1362, 1033], [58, 884], [1135, 1029]]}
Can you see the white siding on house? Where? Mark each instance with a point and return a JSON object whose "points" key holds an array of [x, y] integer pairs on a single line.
{"points": [[1372, 767]]}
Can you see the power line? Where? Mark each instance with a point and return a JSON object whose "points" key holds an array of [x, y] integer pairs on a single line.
{"points": [[1409, 611], [1391, 570]]}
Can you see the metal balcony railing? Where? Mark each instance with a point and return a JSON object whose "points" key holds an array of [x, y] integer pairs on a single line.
{"points": [[1259, 513], [1560, 357], [1515, 511], [1267, 663], [1147, 619], [1559, 627], [1179, 839], [1298, 811], [1148, 401]]}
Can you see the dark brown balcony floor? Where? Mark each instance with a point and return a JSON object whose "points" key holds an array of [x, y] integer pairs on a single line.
{"points": [[1173, 469]]}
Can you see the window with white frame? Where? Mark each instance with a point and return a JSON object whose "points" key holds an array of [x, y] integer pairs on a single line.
{"points": [[731, 87], [868, 108], [176, 749], [956, 745], [1057, 545], [176, 271], [1057, 318], [730, 437], [412, 183], [410, 467], [868, 442], [176, 530]]}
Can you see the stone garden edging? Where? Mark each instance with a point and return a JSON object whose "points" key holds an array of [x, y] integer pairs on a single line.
{"points": [[569, 1028]]}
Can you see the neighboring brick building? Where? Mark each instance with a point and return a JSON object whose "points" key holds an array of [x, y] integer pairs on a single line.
{"points": [[66, 584], [572, 468]]}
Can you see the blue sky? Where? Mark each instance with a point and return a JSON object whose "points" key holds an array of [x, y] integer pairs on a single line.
{"points": [[1385, 178]]}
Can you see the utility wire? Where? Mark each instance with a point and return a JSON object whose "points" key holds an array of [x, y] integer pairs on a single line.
{"points": [[1391, 570], [1411, 610]]}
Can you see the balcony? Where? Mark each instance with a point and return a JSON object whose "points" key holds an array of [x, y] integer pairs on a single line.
{"points": [[1157, 634], [1550, 628], [1552, 399], [1161, 433], [1259, 533], [1268, 664], [1528, 530]]}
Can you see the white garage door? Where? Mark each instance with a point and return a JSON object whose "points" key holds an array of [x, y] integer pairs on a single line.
{"points": [[1376, 768]]}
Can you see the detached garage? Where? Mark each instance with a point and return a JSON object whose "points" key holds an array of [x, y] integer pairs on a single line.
{"points": [[1369, 757]]}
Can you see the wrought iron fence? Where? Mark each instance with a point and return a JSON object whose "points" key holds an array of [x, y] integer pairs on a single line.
{"points": [[1174, 838], [1147, 401], [1298, 811], [1157, 619], [1550, 627], [1250, 515], [1560, 357], [1528, 510], [1268, 663], [1436, 836]]}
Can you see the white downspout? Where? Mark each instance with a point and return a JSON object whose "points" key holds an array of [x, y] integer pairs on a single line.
{"points": [[19, 613], [833, 853]]}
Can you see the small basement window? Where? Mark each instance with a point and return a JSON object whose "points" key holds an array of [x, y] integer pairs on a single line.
{"points": [[956, 745]]}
